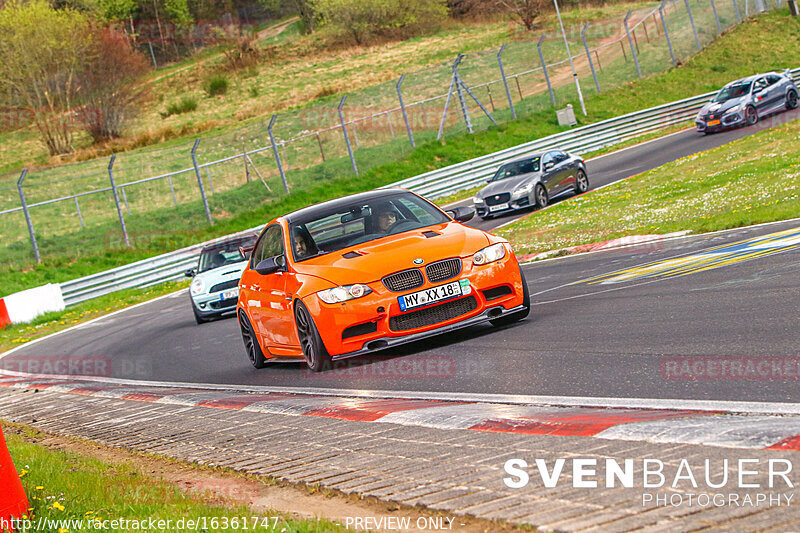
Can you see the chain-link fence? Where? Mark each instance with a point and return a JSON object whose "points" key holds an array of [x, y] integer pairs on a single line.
{"points": [[299, 149]]}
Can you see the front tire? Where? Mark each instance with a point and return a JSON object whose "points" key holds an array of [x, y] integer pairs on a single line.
{"points": [[581, 182], [791, 100], [251, 345], [317, 357], [540, 196], [751, 115], [519, 315]]}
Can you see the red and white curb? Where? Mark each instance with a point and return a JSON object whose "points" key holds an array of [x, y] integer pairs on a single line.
{"points": [[630, 240], [678, 426]]}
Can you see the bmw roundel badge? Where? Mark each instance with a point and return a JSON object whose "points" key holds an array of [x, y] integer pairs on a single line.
{"points": [[418, 261]]}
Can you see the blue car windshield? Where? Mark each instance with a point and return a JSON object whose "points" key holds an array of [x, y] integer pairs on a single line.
{"points": [[732, 91], [516, 168], [224, 254]]}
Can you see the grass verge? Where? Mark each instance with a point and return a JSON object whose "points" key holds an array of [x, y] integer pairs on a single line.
{"points": [[748, 181], [17, 334], [64, 486]]}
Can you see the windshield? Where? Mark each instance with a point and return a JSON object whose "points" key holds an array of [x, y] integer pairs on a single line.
{"points": [[516, 168], [732, 91], [329, 231], [224, 254]]}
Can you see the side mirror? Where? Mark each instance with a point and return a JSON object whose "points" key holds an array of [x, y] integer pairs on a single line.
{"points": [[189, 273], [463, 213], [271, 265], [549, 165]]}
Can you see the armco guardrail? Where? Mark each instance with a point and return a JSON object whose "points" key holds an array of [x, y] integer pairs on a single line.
{"points": [[434, 184]]}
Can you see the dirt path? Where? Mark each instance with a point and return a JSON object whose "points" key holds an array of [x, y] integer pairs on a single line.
{"points": [[220, 487]]}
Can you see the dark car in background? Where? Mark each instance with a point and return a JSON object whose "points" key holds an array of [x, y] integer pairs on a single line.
{"points": [[743, 102], [532, 181]]}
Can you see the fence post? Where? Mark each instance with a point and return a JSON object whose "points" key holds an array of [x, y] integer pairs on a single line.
{"points": [[403, 109], [172, 190], [505, 82], [447, 100], [736, 8], [28, 220], [694, 28], [589, 56], [666, 33], [460, 91], [246, 166], [346, 136], [276, 154], [630, 42], [716, 17], [544, 69], [116, 200], [153, 55], [200, 181], [78, 209]]}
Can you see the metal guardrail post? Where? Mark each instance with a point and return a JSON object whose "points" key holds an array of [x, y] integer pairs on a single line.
{"points": [[276, 154], [200, 180], [666, 32], [736, 8], [630, 42], [694, 28], [116, 200], [716, 17], [505, 82], [28, 220], [544, 68], [403, 109], [346, 136], [589, 56]]}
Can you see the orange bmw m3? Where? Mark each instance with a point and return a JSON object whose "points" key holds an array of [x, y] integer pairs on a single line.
{"points": [[369, 271]]}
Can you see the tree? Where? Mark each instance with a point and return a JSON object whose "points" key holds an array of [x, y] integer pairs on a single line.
{"points": [[109, 85], [302, 8], [527, 11], [41, 52]]}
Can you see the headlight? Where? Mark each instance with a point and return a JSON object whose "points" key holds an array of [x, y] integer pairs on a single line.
{"points": [[342, 294], [477, 200], [489, 254], [522, 190], [197, 286], [735, 109]]}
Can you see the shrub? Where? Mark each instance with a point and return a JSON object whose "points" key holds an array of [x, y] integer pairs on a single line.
{"points": [[187, 104], [109, 81], [362, 19], [242, 54], [216, 85]]}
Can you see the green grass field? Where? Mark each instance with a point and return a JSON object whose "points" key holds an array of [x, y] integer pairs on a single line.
{"points": [[63, 485], [760, 44]]}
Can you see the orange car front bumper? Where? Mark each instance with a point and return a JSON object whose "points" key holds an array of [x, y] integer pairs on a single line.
{"points": [[375, 321]]}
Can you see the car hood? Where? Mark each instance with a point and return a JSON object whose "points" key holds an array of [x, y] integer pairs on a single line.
{"points": [[394, 253], [721, 107], [223, 273], [506, 185]]}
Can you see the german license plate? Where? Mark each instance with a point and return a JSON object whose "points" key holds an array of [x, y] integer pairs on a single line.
{"points": [[713, 122], [498, 207], [227, 295], [434, 294]]}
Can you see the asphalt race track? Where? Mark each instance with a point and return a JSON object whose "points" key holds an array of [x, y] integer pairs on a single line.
{"points": [[601, 326]]}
